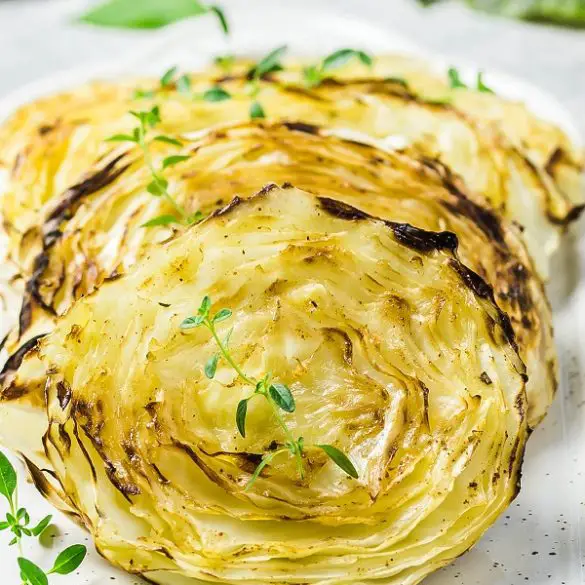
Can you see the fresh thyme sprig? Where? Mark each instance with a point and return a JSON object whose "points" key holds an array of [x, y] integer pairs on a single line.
{"points": [[158, 186], [277, 394], [270, 63], [171, 80], [315, 74], [18, 522]]}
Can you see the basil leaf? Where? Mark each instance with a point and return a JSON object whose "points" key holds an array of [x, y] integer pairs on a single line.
{"points": [[282, 396], [340, 459], [211, 366], [174, 160], [148, 14], [69, 559], [42, 525], [216, 94], [241, 412], [7, 478], [33, 574], [160, 220], [257, 111]]}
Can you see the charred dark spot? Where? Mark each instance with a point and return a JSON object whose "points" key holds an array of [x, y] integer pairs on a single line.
{"points": [[63, 394], [159, 474], [166, 305], [88, 186], [341, 210], [425, 393], [15, 360], [65, 438], [347, 344], [163, 551], [13, 392], [483, 290], [473, 485], [235, 202], [573, 215], [485, 378], [302, 127], [3, 342], [45, 129], [287, 185], [423, 240], [51, 234]]}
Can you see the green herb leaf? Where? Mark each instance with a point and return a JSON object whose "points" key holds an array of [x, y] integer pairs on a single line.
{"points": [[257, 111], [153, 117], [168, 77], [168, 140], [26, 531], [161, 220], [195, 217], [7, 478], [241, 412], [211, 366], [174, 160], [42, 525], [481, 86], [146, 13], [184, 84], [22, 514], [33, 574], [312, 76], [13, 541], [282, 396], [225, 62], [121, 138], [192, 322], [205, 306], [69, 559], [157, 186], [216, 94], [341, 57], [340, 459], [265, 461], [4, 525], [221, 17], [270, 63], [222, 315], [454, 78], [140, 94]]}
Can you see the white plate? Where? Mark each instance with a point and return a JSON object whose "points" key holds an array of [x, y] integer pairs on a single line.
{"points": [[541, 539]]}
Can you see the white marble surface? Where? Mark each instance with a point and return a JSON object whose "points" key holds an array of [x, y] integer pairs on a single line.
{"points": [[38, 37]]}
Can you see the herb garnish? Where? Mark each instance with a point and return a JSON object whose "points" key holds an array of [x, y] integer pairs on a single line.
{"points": [[268, 64], [150, 13], [158, 186], [455, 81], [314, 74], [277, 394], [18, 522]]}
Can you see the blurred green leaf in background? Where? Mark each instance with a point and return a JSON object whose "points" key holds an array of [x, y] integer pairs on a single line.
{"points": [[147, 14], [567, 12]]}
